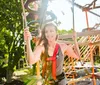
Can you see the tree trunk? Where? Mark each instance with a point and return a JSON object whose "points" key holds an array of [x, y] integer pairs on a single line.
{"points": [[9, 75]]}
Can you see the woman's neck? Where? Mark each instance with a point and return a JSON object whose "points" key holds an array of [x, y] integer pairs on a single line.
{"points": [[52, 44]]}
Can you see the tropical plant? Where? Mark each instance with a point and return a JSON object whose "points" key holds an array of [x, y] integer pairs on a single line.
{"points": [[11, 34]]}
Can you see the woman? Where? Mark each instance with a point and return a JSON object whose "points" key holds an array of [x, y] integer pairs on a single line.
{"points": [[45, 50]]}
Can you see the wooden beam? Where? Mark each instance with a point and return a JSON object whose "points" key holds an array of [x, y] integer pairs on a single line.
{"points": [[79, 43], [67, 42], [87, 9], [88, 43], [79, 34]]}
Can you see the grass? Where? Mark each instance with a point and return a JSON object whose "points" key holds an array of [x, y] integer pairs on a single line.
{"points": [[26, 75]]}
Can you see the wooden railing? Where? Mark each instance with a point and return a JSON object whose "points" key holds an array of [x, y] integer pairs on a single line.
{"points": [[85, 53]]}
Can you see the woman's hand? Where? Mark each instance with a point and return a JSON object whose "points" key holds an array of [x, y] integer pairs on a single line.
{"points": [[27, 34]]}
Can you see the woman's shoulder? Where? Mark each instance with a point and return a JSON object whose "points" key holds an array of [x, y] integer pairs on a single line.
{"points": [[39, 47], [62, 45]]}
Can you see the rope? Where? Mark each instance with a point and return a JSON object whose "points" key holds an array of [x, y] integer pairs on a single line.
{"points": [[75, 38], [24, 16], [74, 32], [24, 26]]}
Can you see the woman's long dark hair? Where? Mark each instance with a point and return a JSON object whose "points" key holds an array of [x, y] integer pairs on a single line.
{"points": [[43, 37], [44, 41]]}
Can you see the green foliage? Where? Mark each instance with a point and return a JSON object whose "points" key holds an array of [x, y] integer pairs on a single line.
{"points": [[97, 59], [65, 31], [11, 32], [26, 76]]}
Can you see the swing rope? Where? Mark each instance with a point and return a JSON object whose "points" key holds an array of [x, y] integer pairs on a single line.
{"points": [[24, 26], [74, 32], [75, 38]]}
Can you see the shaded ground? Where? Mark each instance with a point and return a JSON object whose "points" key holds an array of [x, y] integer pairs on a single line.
{"points": [[27, 78], [15, 82], [85, 82], [88, 82]]}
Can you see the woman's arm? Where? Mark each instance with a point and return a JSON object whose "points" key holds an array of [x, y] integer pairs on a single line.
{"points": [[67, 50], [32, 56], [36, 54]]}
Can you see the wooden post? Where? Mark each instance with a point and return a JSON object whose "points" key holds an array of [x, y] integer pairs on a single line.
{"points": [[38, 69], [99, 50], [91, 50]]}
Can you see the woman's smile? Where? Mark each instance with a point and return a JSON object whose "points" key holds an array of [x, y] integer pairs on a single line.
{"points": [[50, 33]]}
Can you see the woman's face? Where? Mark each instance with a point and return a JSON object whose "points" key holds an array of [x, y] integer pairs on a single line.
{"points": [[50, 33]]}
